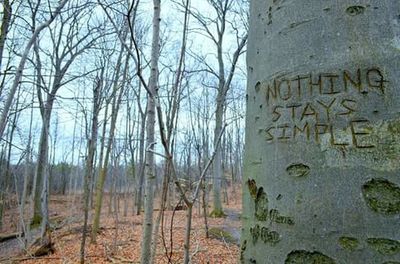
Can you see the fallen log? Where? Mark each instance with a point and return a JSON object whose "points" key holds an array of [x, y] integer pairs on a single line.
{"points": [[5, 237]]}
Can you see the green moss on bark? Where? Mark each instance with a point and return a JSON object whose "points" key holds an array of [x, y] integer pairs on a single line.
{"points": [[348, 243], [307, 257], [384, 246], [382, 196]]}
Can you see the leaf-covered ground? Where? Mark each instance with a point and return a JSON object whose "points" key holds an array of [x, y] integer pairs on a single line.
{"points": [[119, 240]]}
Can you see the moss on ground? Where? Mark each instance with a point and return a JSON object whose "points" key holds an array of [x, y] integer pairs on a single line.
{"points": [[221, 234], [217, 213]]}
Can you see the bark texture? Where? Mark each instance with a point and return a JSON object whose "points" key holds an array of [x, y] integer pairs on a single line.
{"points": [[321, 173]]}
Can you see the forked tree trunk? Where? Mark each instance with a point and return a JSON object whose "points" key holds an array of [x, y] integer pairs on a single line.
{"points": [[321, 176]]}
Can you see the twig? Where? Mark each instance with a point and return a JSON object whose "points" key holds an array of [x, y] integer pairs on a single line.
{"points": [[227, 246], [197, 250], [28, 258]]}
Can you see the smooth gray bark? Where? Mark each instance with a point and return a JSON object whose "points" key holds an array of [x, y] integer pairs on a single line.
{"points": [[150, 137], [321, 173]]}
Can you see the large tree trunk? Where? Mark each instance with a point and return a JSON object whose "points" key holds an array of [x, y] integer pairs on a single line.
{"points": [[321, 176]]}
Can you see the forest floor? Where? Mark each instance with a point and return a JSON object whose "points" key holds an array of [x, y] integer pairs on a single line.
{"points": [[119, 239]]}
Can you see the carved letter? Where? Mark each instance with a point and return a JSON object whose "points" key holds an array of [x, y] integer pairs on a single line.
{"points": [[327, 107], [375, 79], [283, 128], [288, 93], [298, 79], [346, 103], [332, 78], [318, 131], [312, 84], [333, 142], [271, 92], [306, 129], [269, 136], [355, 133], [277, 115], [293, 107], [309, 111], [356, 83]]}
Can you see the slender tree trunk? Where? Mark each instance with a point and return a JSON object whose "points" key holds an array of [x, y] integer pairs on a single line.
{"points": [[73, 168], [151, 107], [5, 23], [141, 164], [2, 182], [205, 205], [92, 142], [101, 156], [42, 163], [27, 176], [149, 185], [186, 257], [217, 165], [114, 114], [7, 179], [160, 217]]}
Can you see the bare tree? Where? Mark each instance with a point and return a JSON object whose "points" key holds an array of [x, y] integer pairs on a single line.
{"points": [[118, 89], [150, 135], [21, 66], [79, 39], [91, 148], [222, 10]]}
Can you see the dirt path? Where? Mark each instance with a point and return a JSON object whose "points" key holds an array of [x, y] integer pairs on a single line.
{"points": [[232, 224], [229, 230], [10, 249]]}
